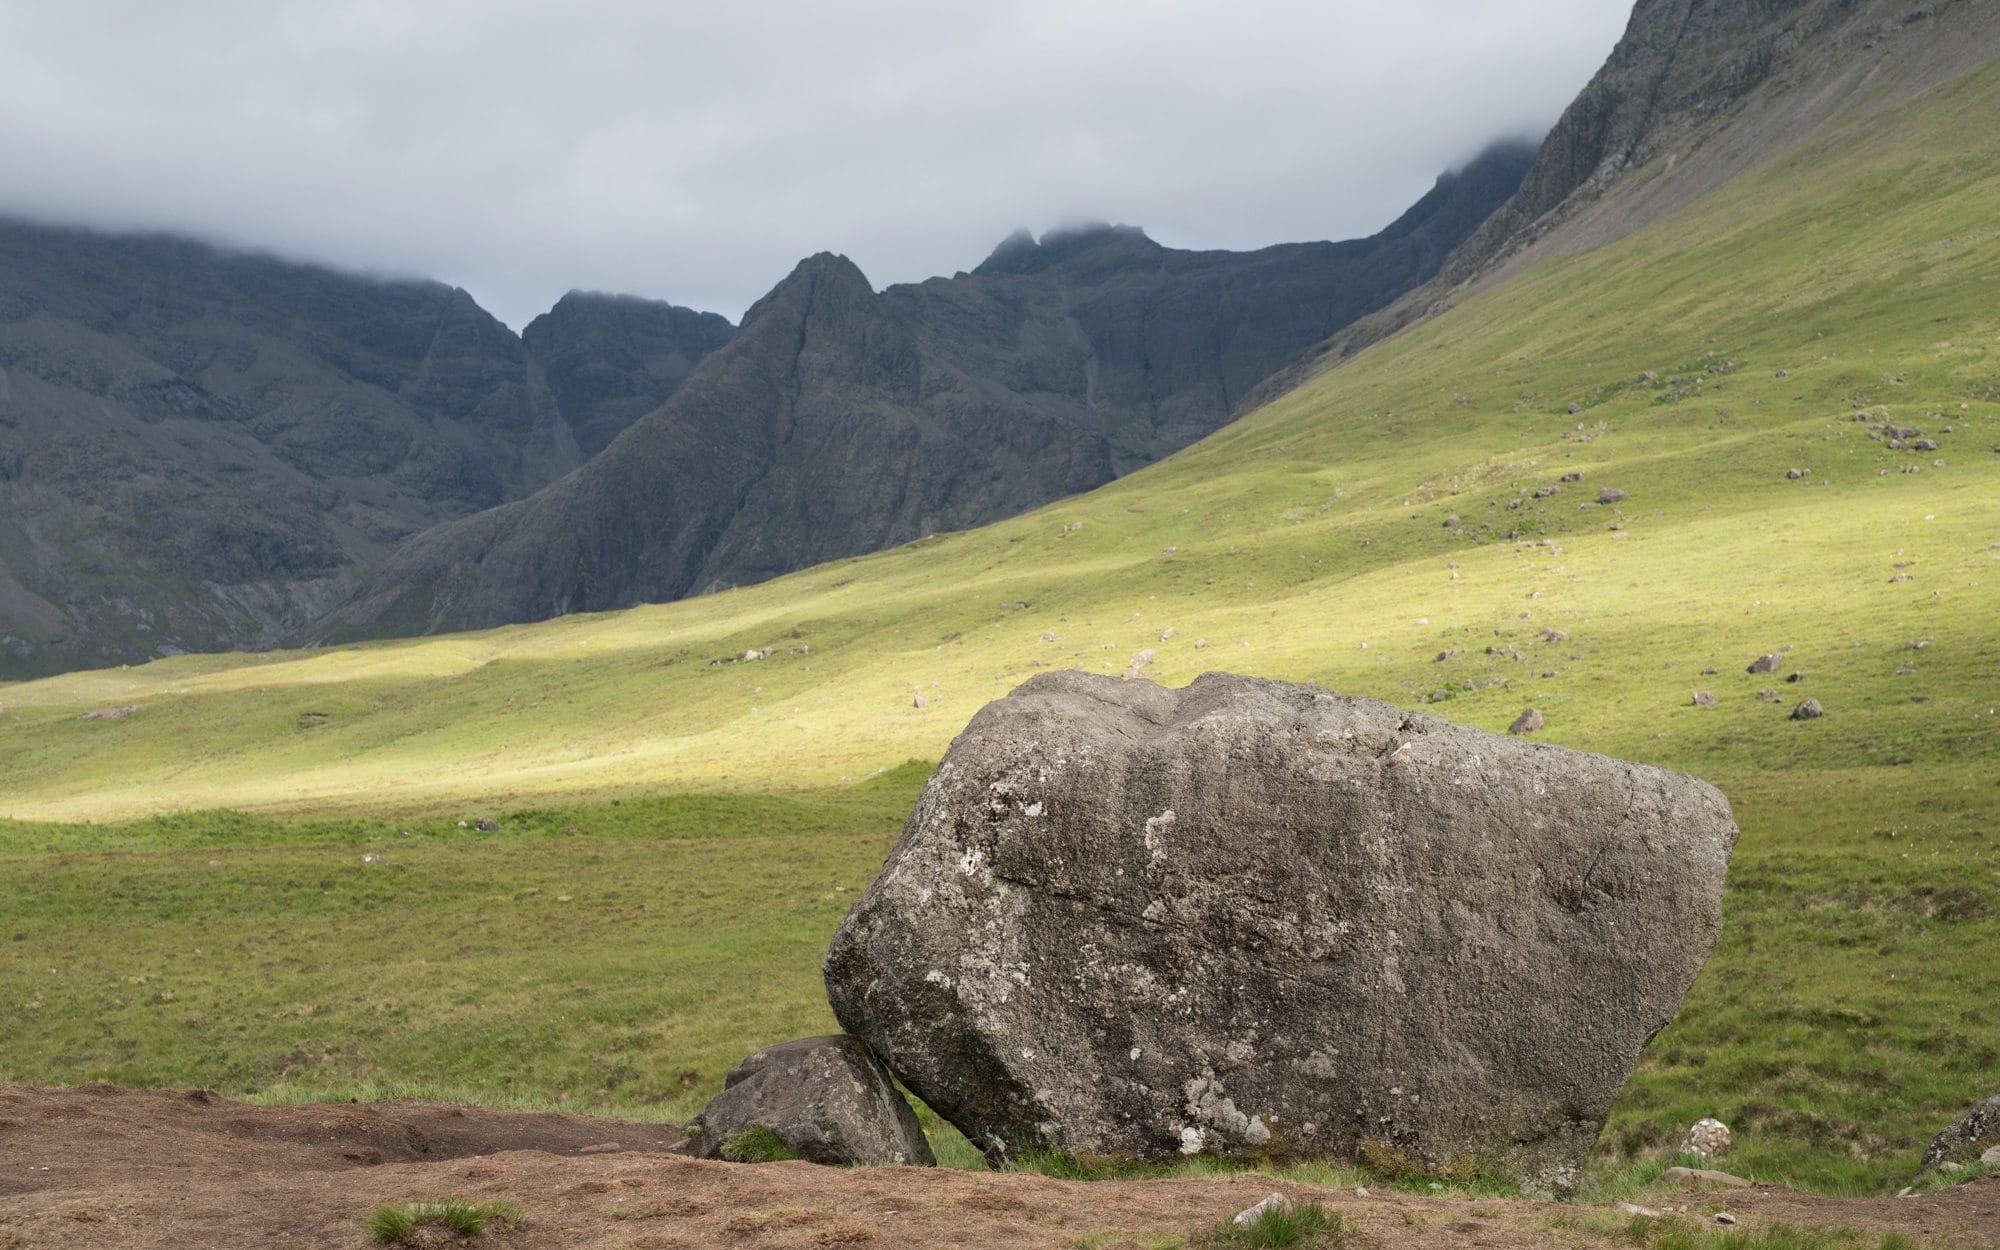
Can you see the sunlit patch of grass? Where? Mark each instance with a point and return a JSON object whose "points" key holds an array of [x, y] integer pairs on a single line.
{"points": [[394, 1223]]}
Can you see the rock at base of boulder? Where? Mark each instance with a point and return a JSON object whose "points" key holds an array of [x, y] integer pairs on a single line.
{"points": [[1258, 920], [826, 1098]]}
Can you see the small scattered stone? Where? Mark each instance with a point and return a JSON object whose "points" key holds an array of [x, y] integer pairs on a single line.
{"points": [[1795, 678], [1703, 698], [1633, 1208], [1452, 521], [601, 1148], [1250, 1215], [1724, 1217], [1576, 475], [1611, 494], [1166, 633], [1765, 664], [1900, 577], [1201, 644], [1991, 1157], [919, 701], [1708, 1138], [487, 826], [1701, 1178], [1768, 695], [1553, 635], [1809, 710], [1709, 671], [1795, 474], [1529, 721]]}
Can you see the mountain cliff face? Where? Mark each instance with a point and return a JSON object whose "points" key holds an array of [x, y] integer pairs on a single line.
{"points": [[840, 420], [611, 359], [1696, 93], [203, 450]]}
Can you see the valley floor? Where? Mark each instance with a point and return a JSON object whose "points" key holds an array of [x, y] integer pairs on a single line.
{"points": [[108, 1167]]}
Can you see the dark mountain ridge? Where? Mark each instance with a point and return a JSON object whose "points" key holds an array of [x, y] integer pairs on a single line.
{"points": [[840, 420], [203, 449], [1694, 94]]}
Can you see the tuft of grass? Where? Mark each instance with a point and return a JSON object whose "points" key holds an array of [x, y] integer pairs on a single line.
{"points": [[756, 1144], [1293, 1224], [394, 1223]]}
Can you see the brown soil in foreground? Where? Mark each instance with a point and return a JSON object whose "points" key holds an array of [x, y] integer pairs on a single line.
{"points": [[98, 1166]]}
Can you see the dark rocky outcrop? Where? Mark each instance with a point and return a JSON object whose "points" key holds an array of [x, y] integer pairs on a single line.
{"points": [[203, 449], [826, 1098], [610, 359], [1259, 919], [840, 420]]}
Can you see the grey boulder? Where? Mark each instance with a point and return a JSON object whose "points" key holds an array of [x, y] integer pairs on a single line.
{"points": [[1256, 919], [826, 1098]]}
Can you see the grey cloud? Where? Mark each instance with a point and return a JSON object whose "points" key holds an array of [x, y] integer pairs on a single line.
{"points": [[695, 151]]}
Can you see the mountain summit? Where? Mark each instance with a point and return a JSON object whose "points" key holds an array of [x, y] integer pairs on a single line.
{"points": [[840, 420]]}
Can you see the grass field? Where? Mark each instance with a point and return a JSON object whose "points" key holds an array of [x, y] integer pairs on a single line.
{"points": [[1854, 1005]]}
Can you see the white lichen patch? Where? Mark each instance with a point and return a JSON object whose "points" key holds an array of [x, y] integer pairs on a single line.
{"points": [[1191, 1141]]}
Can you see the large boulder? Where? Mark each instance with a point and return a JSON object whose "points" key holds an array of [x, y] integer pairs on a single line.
{"points": [[826, 1098], [1258, 919]]}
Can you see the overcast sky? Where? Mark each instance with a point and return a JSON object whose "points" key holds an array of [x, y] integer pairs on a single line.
{"points": [[695, 151]]}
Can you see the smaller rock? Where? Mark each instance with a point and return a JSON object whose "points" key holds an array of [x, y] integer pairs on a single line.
{"points": [[1250, 1215], [1709, 671], [1900, 577], [1452, 521], [601, 1148], [1724, 1217], [1795, 678], [1703, 698], [487, 826], [1201, 644], [1529, 721], [1611, 494], [1633, 1208], [1795, 474], [1575, 408], [1649, 377], [1990, 1159], [1361, 1191], [1768, 695], [827, 1098], [1708, 1138], [1925, 444], [1576, 475], [1809, 710], [919, 701], [1701, 1178], [1166, 634], [571, 832], [1765, 664], [1553, 635]]}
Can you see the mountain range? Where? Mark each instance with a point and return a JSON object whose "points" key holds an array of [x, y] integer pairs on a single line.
{"points": [[203, 449]]}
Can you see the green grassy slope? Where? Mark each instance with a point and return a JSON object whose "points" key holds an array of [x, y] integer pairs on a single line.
{"points": [[1850, 1008]]}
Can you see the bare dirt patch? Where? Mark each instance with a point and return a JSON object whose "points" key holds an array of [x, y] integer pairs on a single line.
{"points": [[105, 1167]]}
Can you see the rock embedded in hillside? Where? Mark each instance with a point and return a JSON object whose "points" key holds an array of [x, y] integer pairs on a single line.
{"points": [[1258, 920], [1808, 710], [1708, 1138], [1703, 698], [1795, 474], [1979, 1127], [1611, 494], [1529, 721], [1765, 664], [827, 1098]]}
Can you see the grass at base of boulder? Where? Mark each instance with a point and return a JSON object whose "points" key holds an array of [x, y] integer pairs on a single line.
{"points": [[394, 1223], [756, 1144], [1289, 1224]]}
